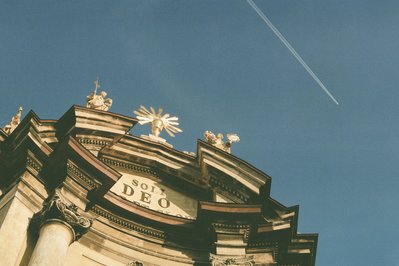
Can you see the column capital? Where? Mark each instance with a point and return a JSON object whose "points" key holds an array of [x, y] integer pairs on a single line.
{"points": [[231, 260], [56, 208]]}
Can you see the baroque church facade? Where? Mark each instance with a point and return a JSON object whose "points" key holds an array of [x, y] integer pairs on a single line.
{"points": [[82, 190]]}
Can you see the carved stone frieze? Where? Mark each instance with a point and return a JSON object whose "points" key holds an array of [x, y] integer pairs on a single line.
{"points": [[57, 208], [232, 261]]}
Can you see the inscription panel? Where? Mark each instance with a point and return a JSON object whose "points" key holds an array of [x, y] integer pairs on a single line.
{"points": [[155, 196]]}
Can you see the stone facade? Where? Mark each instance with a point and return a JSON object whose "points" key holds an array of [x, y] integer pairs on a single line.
{"points": [[81, 190]]}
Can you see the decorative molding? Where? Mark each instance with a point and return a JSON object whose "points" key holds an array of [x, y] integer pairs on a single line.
{"points": [[231, 260], [148, 170], [129, 166], [57, 208], [235, 228], [231, 226], [76, 172], [273, 246], [263, 244], [127, 224], [143, 250], [217, 183], [97, 142], [93, 144], [33, 163]]}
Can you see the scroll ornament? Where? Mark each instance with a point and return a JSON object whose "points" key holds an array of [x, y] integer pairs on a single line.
{"points": [[57, 208]]}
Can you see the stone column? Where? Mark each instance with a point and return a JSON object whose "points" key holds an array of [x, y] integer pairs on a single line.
{"points": [[60, 225]]}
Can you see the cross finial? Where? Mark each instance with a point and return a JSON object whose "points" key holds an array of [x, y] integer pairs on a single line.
{"points": [[97, 84]]}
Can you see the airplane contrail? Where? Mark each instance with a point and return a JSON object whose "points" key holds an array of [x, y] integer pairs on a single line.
{"points": [[291, 49]]}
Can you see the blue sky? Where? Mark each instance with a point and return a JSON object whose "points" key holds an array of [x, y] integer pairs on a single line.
{"points": [[218, 67]]}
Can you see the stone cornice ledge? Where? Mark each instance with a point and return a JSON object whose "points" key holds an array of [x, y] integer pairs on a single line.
{"points": [[70, 150], [243, 172], [93, 122], [217, 211]]}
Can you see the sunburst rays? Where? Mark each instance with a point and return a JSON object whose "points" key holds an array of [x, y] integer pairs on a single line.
{"points": [[158, 121]]}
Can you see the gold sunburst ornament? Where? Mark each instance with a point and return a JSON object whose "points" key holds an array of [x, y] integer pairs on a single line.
{"points": [[158, 122]]}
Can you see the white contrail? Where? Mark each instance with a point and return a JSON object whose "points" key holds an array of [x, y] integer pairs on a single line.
{"points": [[292, 50]]}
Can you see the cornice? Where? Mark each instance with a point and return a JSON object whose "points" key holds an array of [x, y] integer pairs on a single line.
{"points": [[127, 223], [76, 172], [157, 147], [70, 156], [91, 160], [238, 169], [155, 155], [219, 208], [23, 150], [156, 254], [216, 182], [27, 133], [33, 163], [128, 166], [309, 240], [232, 228], [271, 245], [81, 120], [97, 142], [133, 155]]}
